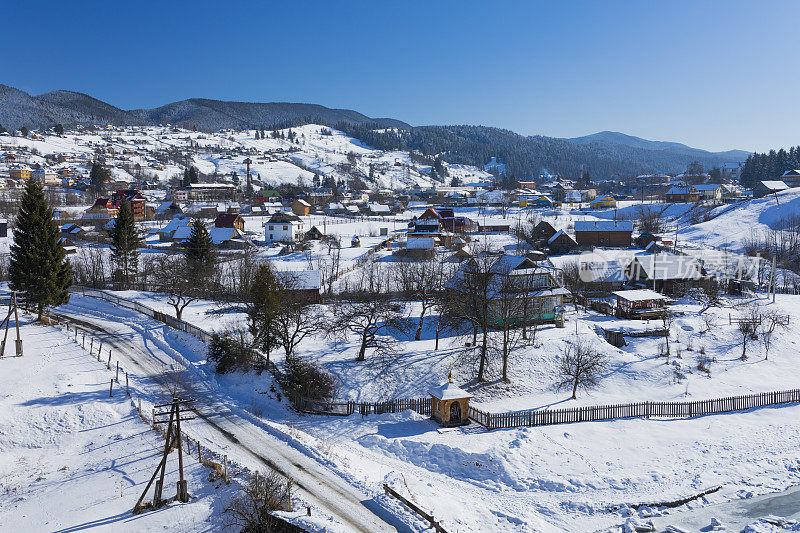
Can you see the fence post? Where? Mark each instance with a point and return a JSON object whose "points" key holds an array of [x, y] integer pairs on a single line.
{"points": [[117, 376], [108, 364], [111, 388], [127, 389]]}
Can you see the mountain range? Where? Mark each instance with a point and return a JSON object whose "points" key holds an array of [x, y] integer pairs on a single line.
{"points": [[605, 153]]}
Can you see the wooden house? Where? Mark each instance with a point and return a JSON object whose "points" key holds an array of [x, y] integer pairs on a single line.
{"points": [[561, 242], [639, 303], [681, 194], [519, 290], [604, 202], [301, 208], [664, 272], [763, 188], [603, 232], [229, 220]]}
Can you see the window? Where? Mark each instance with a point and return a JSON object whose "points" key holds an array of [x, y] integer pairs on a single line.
{"points": [[271, 228], [285, 228]]}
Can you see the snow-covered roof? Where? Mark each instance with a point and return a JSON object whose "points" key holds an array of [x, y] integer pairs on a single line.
{"points": [[639, 295], [667, 266], [603, 225], [301, 280], [420, 243], [708, 187], [379, 208], [448, 391], [774, 185]]}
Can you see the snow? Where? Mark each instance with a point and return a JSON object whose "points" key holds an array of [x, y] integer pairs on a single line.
{"points": [[639, 295], [448, 391], [71, 458]]}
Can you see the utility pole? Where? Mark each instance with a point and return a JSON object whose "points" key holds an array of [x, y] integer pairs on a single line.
{"points": [[249, 191], [175, 411]]}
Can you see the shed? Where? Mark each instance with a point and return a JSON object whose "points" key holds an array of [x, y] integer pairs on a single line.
{"points": [[450, 404], [639, 303]]}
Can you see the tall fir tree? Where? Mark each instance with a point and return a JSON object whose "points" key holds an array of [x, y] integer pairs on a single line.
{"points": [[125, 243], [199, 253], [98, 177], [38, 263]]}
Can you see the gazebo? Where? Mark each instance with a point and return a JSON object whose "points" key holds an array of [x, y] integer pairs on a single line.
{"points": [[450, 404]]}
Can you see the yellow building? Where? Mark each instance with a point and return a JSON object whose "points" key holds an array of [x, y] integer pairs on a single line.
{"points": [[19, 173], [603, 202]]}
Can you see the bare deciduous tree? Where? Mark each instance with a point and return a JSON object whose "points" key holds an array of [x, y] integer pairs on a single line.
{"points": [[171, 277], [770, 321], [580, 367], [371, 320], [263, 494]]}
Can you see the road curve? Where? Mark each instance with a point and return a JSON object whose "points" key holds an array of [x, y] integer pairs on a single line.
{"points": [[218, 425]]}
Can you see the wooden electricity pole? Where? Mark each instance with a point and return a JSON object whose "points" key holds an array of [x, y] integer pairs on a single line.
{"points": [[171, 414]]}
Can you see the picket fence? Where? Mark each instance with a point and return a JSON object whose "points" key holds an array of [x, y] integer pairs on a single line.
{"points": [[632, 410], [324, 407]]}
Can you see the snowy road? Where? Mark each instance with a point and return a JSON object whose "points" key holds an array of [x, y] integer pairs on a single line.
{"points": [[222, 425]]}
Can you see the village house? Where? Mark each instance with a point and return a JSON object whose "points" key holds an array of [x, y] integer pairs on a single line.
{"points": [[664, 272], [19, 173], [604, 202], [209, 191], [710, 192], [603, 232], [46, 176], [101, 211], [304, 285], [283, 227], [791, 178], [763, 188], [135, 200], [167, 233], [561, 243], [229, 220], [530, 288], [301, 208], [682, 194]]}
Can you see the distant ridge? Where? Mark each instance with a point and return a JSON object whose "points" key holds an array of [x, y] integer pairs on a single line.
{"points": [[18, 109], [615, 137], [606, 154]]}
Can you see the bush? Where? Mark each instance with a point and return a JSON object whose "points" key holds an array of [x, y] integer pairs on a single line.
{"points": [[252, 510], [228, 353], [306, 379]]}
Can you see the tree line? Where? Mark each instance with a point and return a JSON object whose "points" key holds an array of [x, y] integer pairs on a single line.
{"points": [[769, 166]]}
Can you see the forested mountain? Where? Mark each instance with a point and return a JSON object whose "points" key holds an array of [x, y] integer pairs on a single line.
{"points": [[615, 137], [769, 166], [602, 155], [18, 109], [526, 156]]}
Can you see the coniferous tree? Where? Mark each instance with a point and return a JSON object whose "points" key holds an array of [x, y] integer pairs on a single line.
{"points": [[38, 265], [200, 254], [125, 242], [59, 129], [2, 129], [98, 177]]}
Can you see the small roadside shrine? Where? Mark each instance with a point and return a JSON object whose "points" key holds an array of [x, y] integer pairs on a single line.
{"points": [[450, 404]]}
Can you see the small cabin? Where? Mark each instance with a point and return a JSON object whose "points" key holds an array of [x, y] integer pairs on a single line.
{"points": [[355, 242], [640, 303], [450, 404]]}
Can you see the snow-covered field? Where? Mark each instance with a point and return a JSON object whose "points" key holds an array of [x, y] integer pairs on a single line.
{"points": [[73, 459], [570, 477]]}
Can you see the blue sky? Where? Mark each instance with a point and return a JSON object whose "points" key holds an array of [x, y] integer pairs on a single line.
{"points": [[712, 74]]}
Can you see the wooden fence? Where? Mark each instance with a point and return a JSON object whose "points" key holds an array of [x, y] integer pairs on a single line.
{"points": [[632, 410], [436, 526], [171, 321], [323, 407]]}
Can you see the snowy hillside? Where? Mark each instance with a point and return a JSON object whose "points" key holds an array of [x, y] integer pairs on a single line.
{"points": [[148, 153], [732, 225]]}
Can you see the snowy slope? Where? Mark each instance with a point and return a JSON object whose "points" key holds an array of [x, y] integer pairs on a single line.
{"points": [[71, 458], [734, 225]]}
